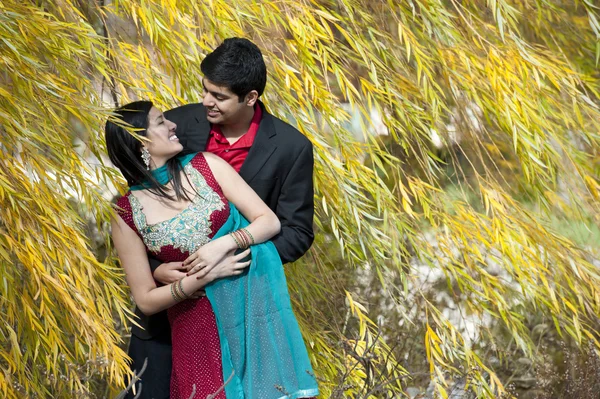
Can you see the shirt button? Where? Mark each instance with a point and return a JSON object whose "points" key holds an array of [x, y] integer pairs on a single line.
{"points": [[226, 150]]}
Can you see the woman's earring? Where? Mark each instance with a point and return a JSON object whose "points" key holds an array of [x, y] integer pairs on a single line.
{"points": [[146, 157]]}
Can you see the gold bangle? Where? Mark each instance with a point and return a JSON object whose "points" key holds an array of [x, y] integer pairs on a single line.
{"points": [[173, 293], [177, 293], [185, 296]]}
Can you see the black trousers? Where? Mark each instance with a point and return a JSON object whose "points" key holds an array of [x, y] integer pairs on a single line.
{"points": [[156, 379]]}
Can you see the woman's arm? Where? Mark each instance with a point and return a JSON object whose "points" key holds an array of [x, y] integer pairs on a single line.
{"points": [[134, 260], [264, 224]]}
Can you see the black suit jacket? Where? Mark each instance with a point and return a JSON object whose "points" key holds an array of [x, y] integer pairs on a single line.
{"points": [[279, 167]]}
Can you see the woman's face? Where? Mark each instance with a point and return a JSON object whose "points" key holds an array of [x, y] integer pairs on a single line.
{"points": [[163, 144]]}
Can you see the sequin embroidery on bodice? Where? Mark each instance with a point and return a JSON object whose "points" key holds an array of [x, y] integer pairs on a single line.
{"points": [[189, 229]]}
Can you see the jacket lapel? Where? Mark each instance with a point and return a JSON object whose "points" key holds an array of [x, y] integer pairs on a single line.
{"points": [[262, 148], [203, 129]]}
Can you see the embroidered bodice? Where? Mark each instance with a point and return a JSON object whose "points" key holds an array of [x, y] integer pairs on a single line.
{"points": [[175, 238]]}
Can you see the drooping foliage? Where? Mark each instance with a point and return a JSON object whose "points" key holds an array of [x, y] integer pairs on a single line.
{"points": [[497, 98]]}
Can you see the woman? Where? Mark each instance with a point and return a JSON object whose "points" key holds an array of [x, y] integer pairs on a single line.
{"points": [[185, 208]]}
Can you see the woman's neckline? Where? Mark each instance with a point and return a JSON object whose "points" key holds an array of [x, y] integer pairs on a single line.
{"points": [[177, 215]]}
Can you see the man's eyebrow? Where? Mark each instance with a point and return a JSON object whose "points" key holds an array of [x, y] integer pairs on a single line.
{"points": [[214, 93], [158, 117], [218, 93]]}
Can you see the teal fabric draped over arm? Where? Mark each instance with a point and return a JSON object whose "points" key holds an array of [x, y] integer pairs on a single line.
{"points": [[262, 347]]}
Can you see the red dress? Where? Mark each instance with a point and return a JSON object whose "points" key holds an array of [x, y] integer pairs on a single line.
{"points": [[196, 347]]}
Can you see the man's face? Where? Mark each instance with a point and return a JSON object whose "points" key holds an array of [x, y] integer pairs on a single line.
{"points": [[223, 106]]}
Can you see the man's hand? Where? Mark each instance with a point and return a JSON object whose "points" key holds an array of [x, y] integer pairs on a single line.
{"points": [[168, 273]]}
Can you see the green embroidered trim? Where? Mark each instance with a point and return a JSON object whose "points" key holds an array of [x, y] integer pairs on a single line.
{"points": [[189, 229]]}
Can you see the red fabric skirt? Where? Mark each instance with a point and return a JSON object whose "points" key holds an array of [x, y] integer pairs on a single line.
{"points": [[196, 350]]}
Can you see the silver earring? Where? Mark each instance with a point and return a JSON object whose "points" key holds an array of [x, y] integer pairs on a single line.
{"points": [[146, 157]]}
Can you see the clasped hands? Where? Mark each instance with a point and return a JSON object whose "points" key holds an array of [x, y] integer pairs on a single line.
{"points": [[214, 260]]}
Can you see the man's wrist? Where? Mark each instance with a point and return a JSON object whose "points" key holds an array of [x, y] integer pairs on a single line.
{"points": [[157, 278]]}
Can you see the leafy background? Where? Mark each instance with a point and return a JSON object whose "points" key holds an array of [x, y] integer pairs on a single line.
{"points": [[456, 147]]}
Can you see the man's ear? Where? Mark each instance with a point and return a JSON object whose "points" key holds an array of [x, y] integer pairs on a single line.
{"points": [[251, 98]]}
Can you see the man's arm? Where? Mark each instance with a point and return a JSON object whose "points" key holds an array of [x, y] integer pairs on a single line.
{"points": [[166, 273], [154, 263], [295, 209]]}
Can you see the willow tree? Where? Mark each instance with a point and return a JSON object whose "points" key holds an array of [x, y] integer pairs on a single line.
{"points": [[516, 79]]}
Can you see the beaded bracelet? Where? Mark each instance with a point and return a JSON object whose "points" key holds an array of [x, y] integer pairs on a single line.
{"points": [[245, 230], [236, 240], [185, 296]]}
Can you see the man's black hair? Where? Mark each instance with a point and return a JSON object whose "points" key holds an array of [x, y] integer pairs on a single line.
{"points": [[237, 64]]}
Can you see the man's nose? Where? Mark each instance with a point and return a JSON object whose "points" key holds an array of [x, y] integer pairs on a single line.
{"points": [[208, 100]]}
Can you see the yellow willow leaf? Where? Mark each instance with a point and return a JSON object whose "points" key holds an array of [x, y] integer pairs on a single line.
{"points": [[440, 388], [570, 306]]}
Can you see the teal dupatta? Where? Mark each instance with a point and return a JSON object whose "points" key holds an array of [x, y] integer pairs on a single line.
{"points": [[261, 344], [262, 350], [162, 175]]}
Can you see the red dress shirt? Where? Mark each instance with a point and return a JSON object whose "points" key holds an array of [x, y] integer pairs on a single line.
{"points": [[235, 154]]}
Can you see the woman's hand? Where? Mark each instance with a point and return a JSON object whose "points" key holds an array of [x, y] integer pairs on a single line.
{"points": [[231, 265], [209, 255]]}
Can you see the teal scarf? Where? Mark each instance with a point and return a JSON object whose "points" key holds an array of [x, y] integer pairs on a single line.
{"points": [[161, 174], [261, 345]]}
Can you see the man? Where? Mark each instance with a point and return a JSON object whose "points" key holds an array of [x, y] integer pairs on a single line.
{"points": [[274, 158]]}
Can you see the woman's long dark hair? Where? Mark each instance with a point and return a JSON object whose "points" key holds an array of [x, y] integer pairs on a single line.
{"points": [[125, 150]]}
